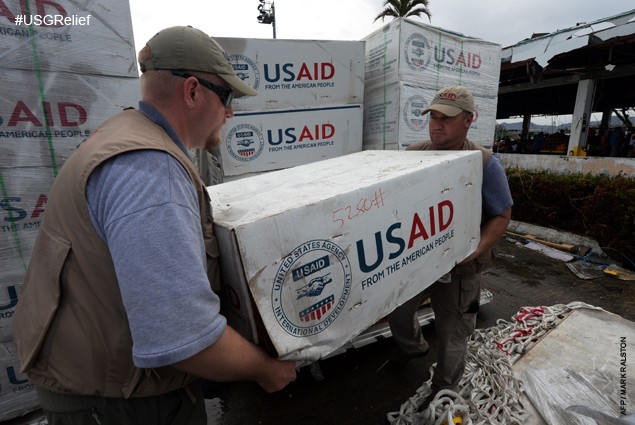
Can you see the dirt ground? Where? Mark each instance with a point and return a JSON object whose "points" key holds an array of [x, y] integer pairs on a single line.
{"points": [[354, 388], [357, 388]]}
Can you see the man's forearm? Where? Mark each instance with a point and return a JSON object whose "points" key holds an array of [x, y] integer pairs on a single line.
{"points": [[493, 229], [491, 232], [233, 358]]}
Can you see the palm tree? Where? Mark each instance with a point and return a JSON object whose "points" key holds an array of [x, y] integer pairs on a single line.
{"points": [[405, 8]]}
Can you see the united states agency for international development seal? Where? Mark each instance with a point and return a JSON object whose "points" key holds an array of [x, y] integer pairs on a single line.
{"points": [[311, 287], [246, 69], [245, 142], [412, 110], [417, 52]]}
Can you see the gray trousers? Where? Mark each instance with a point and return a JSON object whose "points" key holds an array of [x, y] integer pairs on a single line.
{"points": [[455, 305], [180, 407]]}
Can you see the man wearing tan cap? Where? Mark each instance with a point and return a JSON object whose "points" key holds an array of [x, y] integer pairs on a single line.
{"points": [[118, 317], [455, 297]]}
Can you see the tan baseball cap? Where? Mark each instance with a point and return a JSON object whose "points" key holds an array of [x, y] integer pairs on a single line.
{"points": [[189, 49], [451, 101]]}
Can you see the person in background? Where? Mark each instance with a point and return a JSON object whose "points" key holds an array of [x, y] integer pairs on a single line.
{"points": [[603, 147], [455, 297], [631, 146], [118, 319], [538, 141], [615, 141]]}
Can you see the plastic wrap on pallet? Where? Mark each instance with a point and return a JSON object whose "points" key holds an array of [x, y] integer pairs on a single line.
{"points": [[22, 204], [66, 67], [81, 37], [9, 296], [581, 361], [42, 120], [47, 114], [17, 395], [431, 57], [407, 63], [553, 390], [392, 117]]}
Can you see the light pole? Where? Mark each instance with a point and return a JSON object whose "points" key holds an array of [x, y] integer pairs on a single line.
{"points": [[267, 15]]}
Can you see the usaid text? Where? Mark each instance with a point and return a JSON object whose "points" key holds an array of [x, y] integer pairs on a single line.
{"points": [[423, 226]]}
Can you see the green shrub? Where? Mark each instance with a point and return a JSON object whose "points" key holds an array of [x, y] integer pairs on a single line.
{"points": [[600, 207]]}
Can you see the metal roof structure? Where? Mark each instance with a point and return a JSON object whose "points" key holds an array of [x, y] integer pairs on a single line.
{"points": [[540, 75]]}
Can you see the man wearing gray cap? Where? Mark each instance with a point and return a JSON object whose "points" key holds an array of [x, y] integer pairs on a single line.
{"points": [[119, 316], [455, 297]]}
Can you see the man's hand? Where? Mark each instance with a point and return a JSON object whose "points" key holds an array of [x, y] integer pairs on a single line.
{"points": [[491, 231], [278, 376]]}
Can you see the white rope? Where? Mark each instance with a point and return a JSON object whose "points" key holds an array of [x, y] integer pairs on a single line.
{"points": [[490, 392]]}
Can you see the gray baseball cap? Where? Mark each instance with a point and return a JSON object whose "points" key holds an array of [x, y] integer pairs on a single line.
{"points": [[189, 49]]}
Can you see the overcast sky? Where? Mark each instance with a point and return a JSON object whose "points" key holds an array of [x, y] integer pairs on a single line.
{"points": [[500, 21]]}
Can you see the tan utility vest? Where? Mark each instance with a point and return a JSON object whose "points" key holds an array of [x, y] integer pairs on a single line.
{"points": [[70, 326], [486, 257], [467, 146]]}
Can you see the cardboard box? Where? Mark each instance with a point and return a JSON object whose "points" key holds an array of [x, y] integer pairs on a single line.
{"points": [[321, 251], [42, 120], [47, 114], [392, 117], [22, 207], [9, 296], [431, 57], [95, 37], [271, 140], [17, 394], [297, 73]]}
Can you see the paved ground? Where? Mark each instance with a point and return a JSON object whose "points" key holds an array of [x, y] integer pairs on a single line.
{"points": [[356, 389]]}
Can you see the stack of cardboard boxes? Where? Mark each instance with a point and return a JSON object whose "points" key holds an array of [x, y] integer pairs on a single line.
{"points": [[406, 64], [316, 252], [66, 67], [308, 108]]}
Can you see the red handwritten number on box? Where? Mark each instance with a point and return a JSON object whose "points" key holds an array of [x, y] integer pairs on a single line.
{"points": [[364, 205]]}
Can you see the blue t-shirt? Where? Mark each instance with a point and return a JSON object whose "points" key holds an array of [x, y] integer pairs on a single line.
{"points": [[495, 190], [144, 206]]}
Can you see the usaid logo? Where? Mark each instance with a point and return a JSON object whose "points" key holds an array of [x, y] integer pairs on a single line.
{"points": [[311, 287], [246, 70], [245, 142], [447, 96], [417, 52], [412, 110]]}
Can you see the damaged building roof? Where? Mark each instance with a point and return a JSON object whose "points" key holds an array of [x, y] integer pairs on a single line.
{"points": [[540, 75]]}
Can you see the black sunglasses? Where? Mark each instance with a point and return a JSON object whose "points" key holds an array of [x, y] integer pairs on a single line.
{"points": [[226, 95]]}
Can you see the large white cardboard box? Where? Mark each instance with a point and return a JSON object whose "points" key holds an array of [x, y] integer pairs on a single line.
{"points": [[432, 57], [80, 37], [393, 120], [318, 253], [297, 73], [46, 115], [17, 394], [274, 139], [43, 118]]}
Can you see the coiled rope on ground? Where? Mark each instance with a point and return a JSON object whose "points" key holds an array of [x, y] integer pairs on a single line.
{"points": [[490, 392]]}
